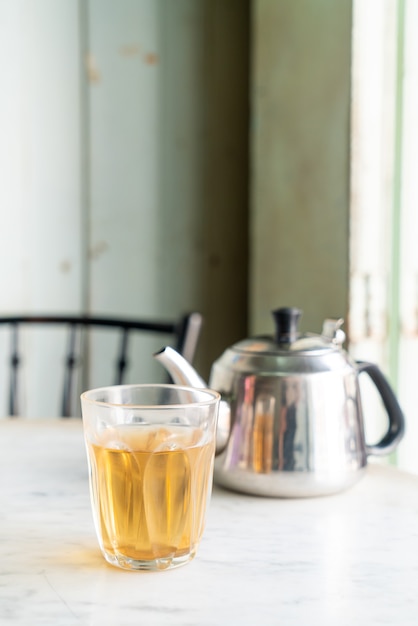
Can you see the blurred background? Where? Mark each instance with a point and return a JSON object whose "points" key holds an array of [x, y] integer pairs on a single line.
{"points": [[224, 156]]}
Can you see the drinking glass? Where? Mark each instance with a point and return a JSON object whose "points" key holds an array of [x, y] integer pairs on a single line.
{"points": [[150, 452]]}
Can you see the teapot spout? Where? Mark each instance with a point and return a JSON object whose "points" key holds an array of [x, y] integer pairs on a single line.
{"points": [[183, 373], [179, 368]]}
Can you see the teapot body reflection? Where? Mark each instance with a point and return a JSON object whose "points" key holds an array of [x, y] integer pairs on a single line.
{"points": [[291, 418]]}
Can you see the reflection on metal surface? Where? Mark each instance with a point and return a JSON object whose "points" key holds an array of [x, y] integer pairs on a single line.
{"points": [[294, 436], [290, 400], [263, 435]]}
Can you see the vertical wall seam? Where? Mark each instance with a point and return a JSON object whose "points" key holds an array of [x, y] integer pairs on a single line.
{"points": [[85, 181], [394, 287], [85, 154], [395, 261]]}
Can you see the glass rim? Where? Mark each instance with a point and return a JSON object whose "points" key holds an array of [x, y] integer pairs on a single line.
{"points": [[212, 396]]}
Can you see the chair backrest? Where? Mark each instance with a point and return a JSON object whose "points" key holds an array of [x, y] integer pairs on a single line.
{"points": [[184, 334]]}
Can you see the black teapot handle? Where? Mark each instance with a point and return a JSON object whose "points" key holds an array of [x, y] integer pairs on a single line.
{"points": [[396, 427]]}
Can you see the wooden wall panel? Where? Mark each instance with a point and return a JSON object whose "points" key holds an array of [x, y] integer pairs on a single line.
{"points": [[40, 252], [300, 160], [124, 160]]}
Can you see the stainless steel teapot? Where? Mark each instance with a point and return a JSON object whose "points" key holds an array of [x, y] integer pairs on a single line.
{"points": [[291, 417]]}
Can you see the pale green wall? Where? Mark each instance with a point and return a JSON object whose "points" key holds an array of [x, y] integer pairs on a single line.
{"points": [[137, 133], [168, 136], [124, 160], [300, 159]]}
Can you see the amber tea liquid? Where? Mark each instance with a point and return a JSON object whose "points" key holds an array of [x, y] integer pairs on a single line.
{"points": [[150, 487]]}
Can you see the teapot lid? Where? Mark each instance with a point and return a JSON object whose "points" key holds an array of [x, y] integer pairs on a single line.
{"points": [[288, 340]]}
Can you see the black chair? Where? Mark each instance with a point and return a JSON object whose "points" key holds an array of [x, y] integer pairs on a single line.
{"points": [[184, 334]]}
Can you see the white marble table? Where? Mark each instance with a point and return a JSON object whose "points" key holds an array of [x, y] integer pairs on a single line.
{"points": [[345, 559]]}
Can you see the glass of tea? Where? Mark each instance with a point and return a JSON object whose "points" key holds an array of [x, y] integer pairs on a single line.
{"points": [[150, 452]]}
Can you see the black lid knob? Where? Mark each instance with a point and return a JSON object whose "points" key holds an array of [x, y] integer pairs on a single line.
{"points": [[286, 320]]}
